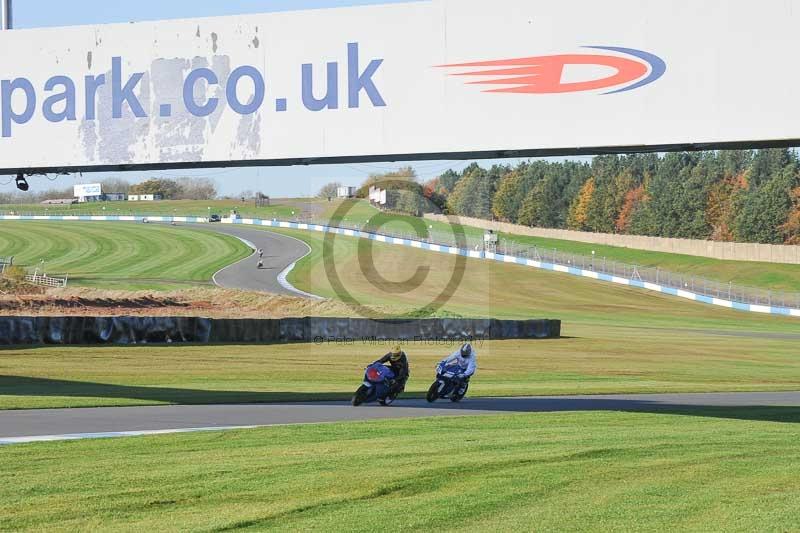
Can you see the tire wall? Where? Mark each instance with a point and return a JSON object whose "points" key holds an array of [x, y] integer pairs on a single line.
{"points": [[16, 331]]}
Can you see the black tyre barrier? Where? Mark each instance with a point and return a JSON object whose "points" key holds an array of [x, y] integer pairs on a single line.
{"points": [[73, 330]]}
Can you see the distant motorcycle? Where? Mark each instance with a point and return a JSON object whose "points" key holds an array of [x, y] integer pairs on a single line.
{"points": [[447, 384], [376, 387]]}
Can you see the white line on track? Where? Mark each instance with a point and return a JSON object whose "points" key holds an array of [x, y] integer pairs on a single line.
{"points": [[116, 434], [282, 276]]}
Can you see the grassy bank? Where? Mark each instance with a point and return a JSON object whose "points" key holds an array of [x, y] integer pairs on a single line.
{"points": [[120, 255], [383, 276], [591, 360], [720, 470]]}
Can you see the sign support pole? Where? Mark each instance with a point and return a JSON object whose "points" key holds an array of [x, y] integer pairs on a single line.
{"points": [[5, 15]]}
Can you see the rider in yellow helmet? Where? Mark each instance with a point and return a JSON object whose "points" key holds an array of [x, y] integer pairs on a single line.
{"points": [[398, 362]]}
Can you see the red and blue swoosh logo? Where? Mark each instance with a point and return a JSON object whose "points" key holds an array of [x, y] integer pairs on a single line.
{"points": [[544, 74]]}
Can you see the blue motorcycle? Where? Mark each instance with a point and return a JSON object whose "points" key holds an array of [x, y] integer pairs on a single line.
{"points": [[448, 383], [377, 386]]}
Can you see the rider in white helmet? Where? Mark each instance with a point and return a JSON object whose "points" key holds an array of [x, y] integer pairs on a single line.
{"points": [[465, 357]]}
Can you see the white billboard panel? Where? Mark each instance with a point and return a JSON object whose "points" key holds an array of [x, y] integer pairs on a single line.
{"points": [[88, 189], [440, 77]]}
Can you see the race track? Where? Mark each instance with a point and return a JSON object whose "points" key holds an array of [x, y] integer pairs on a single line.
{"points": [[280, 252], [66, 424]]}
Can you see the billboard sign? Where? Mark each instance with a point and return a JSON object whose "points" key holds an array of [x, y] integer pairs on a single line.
{"points": [[454, 79], [86, 190]]}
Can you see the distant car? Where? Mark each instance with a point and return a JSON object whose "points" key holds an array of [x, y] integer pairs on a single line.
{"points": [[215, 218]]}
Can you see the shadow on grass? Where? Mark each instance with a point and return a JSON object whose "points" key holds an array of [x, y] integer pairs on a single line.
{"points": [[40, 387], [765, 407], [756, 406]]}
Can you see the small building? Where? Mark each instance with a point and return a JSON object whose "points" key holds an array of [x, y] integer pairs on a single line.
{"points": [[144, 197], [346, 192], [88, 192], [490, 240], [114, 197]]}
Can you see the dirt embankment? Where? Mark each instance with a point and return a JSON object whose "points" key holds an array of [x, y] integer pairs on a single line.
{"points": [[206, 302]]}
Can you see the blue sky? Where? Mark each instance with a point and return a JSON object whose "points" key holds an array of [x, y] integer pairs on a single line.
{"points": [[275, 181]]}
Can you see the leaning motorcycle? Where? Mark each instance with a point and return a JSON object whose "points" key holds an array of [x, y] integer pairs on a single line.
{"points": [[447, 383], [377, 386]]}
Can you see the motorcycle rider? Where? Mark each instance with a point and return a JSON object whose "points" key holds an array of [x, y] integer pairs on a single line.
{"points": [[398, 362], [465, 357]]}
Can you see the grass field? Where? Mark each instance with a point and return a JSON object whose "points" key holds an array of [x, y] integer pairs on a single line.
{"points": [[120, 255], [770, 276], [699, 470], [490, 289], [198, 208], [773, 276], [591, 360], [616, 340], [721, 470]]}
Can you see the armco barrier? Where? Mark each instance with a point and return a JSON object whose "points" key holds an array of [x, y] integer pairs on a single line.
{"points": [[18, 331], [785, 311]]}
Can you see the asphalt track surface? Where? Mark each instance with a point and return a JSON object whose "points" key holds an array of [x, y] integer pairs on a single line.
{"points": [[66, 424], [280, 252]]}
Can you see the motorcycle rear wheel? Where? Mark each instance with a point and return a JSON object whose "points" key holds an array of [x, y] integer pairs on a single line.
{"points": [[433, 392], [360, 396], [456, 397]]}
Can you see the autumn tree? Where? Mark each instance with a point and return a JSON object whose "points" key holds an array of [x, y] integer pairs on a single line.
{"points": [[509, 197], [166, 188], [633, 199], [329, 190], [723, 197], [579, 210], [472, 196]]}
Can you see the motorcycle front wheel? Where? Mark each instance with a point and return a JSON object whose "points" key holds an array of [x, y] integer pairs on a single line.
{"points": [[433, 392], [360, 396]]}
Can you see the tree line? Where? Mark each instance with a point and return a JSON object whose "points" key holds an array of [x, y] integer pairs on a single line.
{"points": [[169, 189], [734, 195]]}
